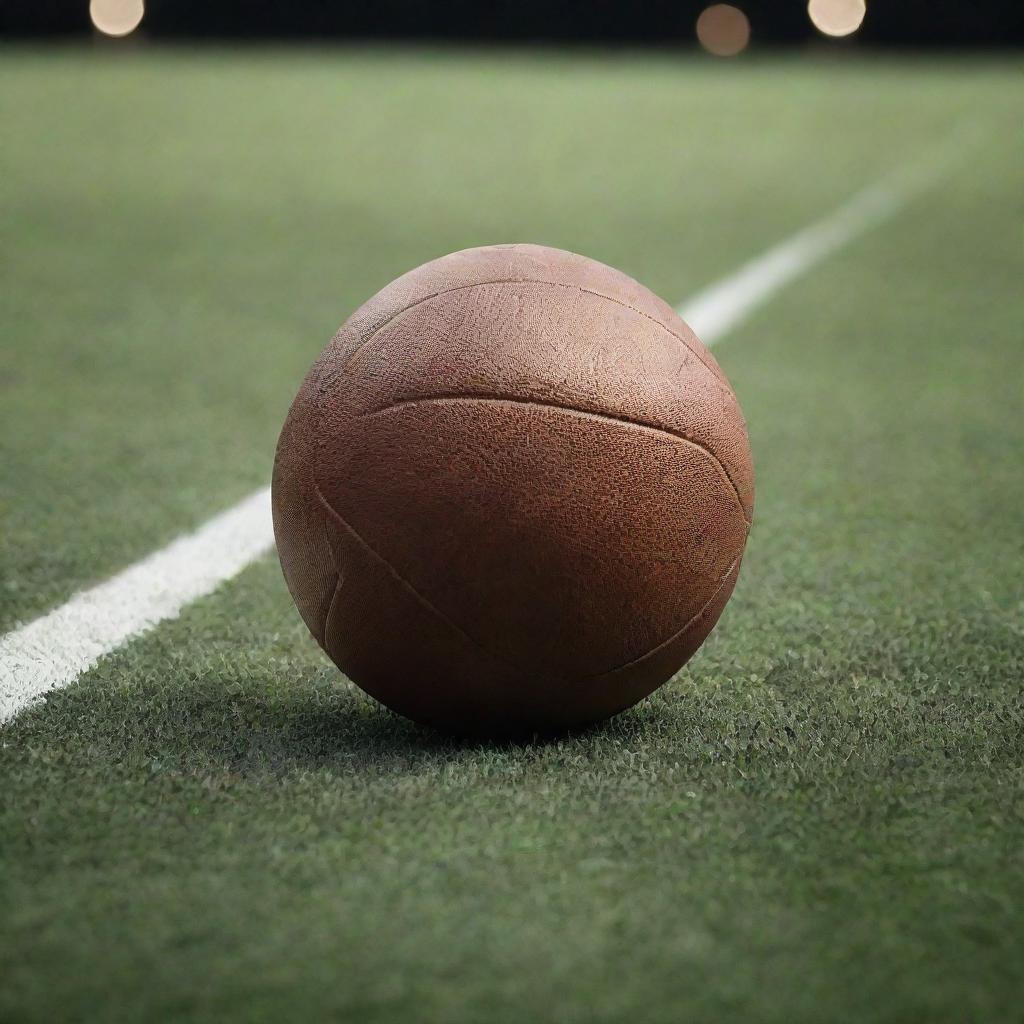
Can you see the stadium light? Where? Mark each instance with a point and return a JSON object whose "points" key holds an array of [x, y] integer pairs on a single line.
{"points": [[723, 30], [116, 17], [836, 17]]}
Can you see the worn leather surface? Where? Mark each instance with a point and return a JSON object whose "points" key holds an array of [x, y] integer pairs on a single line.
{"points": [[513, 492]]}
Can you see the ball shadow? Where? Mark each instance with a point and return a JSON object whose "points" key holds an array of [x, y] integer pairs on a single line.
{"points": [[275, 730]]}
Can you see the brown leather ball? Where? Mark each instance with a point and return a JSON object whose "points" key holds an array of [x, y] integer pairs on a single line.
{"points": [[513, 492]]}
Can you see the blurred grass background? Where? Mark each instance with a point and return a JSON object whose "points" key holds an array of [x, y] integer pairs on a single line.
{"points": [[821, 818]]}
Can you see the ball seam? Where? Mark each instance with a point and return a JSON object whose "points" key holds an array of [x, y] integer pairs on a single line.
{"points": [[573, 410], [682, 630], [349, 528], [365, 340]]}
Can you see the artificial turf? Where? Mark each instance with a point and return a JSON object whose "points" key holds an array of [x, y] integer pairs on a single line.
{"points": [[821, 818]]}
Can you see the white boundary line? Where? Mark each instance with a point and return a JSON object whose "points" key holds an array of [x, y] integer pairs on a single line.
{"points": [[721, 307], [55, 649], [718, 309]]}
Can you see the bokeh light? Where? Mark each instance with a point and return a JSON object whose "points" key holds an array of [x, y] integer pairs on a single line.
{"points": [[836, 17], [116, 17], [723, 30]]}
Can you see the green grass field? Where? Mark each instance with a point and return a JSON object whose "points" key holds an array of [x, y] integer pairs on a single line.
{"points": [[820, 819]]}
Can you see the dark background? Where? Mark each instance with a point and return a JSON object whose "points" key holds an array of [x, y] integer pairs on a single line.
{"points": [[902, 23]]}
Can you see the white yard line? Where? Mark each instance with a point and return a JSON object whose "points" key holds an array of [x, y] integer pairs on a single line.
{"points": [[55, 649], [715, 311]]}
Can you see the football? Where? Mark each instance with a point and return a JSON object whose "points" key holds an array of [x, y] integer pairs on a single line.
{"points": [[513, 493]]}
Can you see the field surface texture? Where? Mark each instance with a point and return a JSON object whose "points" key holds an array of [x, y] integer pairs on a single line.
{"points": [[820, 818]]}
